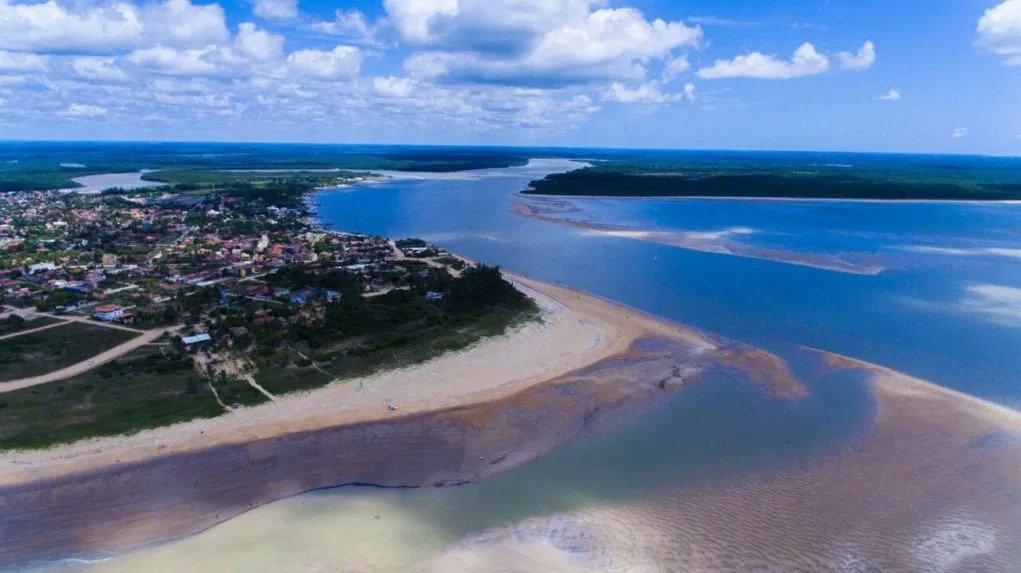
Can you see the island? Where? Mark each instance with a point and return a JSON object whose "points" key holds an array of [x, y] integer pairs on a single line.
{"points": [[787, 176]]}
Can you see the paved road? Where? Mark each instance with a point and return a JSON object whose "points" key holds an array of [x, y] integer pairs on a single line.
{"points": [[146, 337]]}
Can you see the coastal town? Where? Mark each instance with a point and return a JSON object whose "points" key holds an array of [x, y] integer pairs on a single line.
{"points": [[236, 297]]}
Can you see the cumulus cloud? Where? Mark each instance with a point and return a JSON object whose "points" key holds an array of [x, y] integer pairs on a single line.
{"points": [[860, 61], [276, 9], [82, 110], [22, 62], [353, 25], [105, 28], [960, 132], [252, 42], [891, 95], [185, 62], [393, 87], [805, 61], [532, 43], [999, 31], [98, 69], [647, 93], [341, 62]]}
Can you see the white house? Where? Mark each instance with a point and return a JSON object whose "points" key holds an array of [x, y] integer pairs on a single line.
{"points": [[109, 312]]}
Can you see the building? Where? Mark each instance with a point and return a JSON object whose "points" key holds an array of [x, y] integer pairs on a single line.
{"points": [[109, 260], [192, 341], [109, 312], [39, 267]]}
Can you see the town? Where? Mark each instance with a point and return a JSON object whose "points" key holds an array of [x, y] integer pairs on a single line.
{"points": [[227, 295]]}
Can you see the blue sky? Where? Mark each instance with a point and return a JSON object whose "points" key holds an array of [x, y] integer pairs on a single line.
{"points": [[869, 75]]}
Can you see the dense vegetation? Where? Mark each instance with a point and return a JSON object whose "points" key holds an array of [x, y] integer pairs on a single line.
{"points": [[148, 388], [795, 175], [358, 335], [52, 165]]}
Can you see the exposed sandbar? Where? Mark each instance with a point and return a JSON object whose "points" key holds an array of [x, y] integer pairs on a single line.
{"points": [[461, 416]]}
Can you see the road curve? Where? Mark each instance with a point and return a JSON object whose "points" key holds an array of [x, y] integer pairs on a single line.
{"points": [[145, 337]]}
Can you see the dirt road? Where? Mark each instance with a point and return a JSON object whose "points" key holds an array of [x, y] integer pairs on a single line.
{"points": [[145, 337]]}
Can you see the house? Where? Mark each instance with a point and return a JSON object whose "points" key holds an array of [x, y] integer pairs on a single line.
{"points": [[192, 341], [39, 267], [109, 312], [109, 260]]}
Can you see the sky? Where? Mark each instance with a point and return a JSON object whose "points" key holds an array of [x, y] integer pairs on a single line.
{"points": [[854, 75]]}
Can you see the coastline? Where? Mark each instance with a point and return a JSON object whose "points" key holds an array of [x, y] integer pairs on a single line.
{"points": [[582, 364], [752, 199]]}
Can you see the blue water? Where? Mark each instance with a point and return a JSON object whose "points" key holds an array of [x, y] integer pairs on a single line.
{"points": [[917, 316]]}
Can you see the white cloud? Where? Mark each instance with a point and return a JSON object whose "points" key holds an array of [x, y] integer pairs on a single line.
{"points": [[181, 23], [805, 61], [647, 93], [960, 132], [51, 26], [256, 44], [393, 87], [22, 62], [860, 61], [532, 43], [105, 28], [353, 24], [891, 95], [98, 68], [187, 62], [276, 9], [675, 67], [999, 31], [342, 61], [82, 110]]}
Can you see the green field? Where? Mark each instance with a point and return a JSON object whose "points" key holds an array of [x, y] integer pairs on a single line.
{"points": [[55, 348], [14, 323], [143, 389]]}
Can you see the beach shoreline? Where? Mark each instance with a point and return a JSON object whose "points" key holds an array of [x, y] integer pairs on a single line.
{"points": [[583, 361]]}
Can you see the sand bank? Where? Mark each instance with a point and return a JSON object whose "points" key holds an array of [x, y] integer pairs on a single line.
{"points": [[932, 487], [721, 242], [461, 416]]}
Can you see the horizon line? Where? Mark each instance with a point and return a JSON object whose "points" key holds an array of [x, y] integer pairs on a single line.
{"points": [[509, 147]]}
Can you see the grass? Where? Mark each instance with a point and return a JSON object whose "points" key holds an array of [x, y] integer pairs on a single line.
{"points": [[11, 326], [143, 389], [55, 348]]}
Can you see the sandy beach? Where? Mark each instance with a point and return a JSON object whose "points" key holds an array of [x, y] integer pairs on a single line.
{"points": [[460, 417], [575, 330]]}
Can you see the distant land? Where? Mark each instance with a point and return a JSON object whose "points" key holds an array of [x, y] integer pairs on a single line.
{"points": [[792, 175], [604, 172], [26, 166]]}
